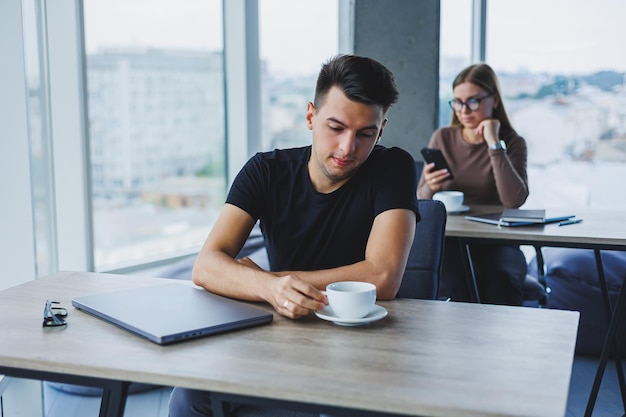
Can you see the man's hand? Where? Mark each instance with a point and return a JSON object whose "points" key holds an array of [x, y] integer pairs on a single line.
{"points": [[292, 297]]}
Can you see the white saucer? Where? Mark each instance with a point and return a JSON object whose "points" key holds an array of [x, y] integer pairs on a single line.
{"points": [[377, 313], [462, 209]]}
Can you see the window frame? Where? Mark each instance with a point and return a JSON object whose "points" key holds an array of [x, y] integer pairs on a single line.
{"points": [[69, 134]]}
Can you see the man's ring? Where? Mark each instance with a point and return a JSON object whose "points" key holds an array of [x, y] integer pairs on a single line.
{"points": [[286, 303]]}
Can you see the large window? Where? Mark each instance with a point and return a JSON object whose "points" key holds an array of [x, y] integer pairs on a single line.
{"points": [[564, 79], [295, 38], [156, 126]]}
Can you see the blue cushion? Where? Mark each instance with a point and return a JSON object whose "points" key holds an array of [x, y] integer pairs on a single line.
{"points": [[573, 277]]}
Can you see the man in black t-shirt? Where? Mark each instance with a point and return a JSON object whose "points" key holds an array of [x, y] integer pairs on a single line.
{"points": [[308, 230], [338, 209], [343, 208]]}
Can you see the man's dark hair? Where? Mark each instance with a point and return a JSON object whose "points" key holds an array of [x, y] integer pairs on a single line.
{"points": [[361, 79]]}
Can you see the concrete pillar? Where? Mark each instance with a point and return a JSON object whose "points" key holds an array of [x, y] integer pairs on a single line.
{"points": [[403, 35]]}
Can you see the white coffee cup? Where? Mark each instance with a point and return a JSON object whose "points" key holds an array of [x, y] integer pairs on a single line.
{"points": [[453, 200], [351, 299]]}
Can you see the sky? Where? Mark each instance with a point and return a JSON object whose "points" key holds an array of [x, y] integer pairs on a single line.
{"points": [[556, 36], [564, 36], [296, 35]]}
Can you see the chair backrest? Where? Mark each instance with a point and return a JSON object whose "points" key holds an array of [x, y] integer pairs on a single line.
{"points": [[423, 269]]}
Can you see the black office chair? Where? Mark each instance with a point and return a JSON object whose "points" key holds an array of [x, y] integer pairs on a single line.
{"points": [[423, 269]]}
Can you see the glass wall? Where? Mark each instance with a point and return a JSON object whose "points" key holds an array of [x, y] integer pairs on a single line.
{"points": [[156, 106], [155, 103], [156, 126], [563, 75], [295, 38]]}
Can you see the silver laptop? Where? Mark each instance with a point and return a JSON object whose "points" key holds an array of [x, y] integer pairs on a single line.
{"points": [[168, 313]]}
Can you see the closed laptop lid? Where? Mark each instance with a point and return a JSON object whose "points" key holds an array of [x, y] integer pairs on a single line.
{"points": [[173, 312]]}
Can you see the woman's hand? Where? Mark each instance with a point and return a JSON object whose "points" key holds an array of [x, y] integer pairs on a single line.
{"points": [[434, 179], [489, 129]]}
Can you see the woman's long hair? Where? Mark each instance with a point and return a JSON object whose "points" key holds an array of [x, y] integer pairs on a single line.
{"points": [[484, 77]]}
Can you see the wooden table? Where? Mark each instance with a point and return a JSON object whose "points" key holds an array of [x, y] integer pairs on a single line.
{"points": [[599, 230], [426, 358]]}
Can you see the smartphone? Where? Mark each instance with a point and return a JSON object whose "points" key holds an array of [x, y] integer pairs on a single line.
{"points": [[435, 155]]}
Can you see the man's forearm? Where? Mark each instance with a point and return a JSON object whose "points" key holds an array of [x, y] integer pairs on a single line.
{"points": [[221, 274], [386, 278]]}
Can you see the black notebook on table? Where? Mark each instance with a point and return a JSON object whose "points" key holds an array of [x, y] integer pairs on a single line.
{"points": [[496, 219], [168, 313], [523, 215]]}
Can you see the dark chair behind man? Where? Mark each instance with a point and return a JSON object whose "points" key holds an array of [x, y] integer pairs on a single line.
{"points": [[423, 269]]}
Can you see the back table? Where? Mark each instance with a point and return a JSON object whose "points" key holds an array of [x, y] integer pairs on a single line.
{"points": [[599, 230]]}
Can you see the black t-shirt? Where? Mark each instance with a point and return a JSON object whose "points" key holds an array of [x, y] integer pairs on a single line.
{"points": [[307, 230]]}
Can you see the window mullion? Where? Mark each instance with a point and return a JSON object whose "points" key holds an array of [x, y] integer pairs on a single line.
{"points": [[242, 80], [69, 134], [479, 30]]}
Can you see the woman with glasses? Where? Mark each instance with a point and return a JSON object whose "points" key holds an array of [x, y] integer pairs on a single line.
{"points": [[488, 159]]}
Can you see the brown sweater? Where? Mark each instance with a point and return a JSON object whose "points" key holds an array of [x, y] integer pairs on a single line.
{"points": [[485, 176]]}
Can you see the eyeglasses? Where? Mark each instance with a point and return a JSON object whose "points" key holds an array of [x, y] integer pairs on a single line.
{"points": [[472, 103], [54, 316]]}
